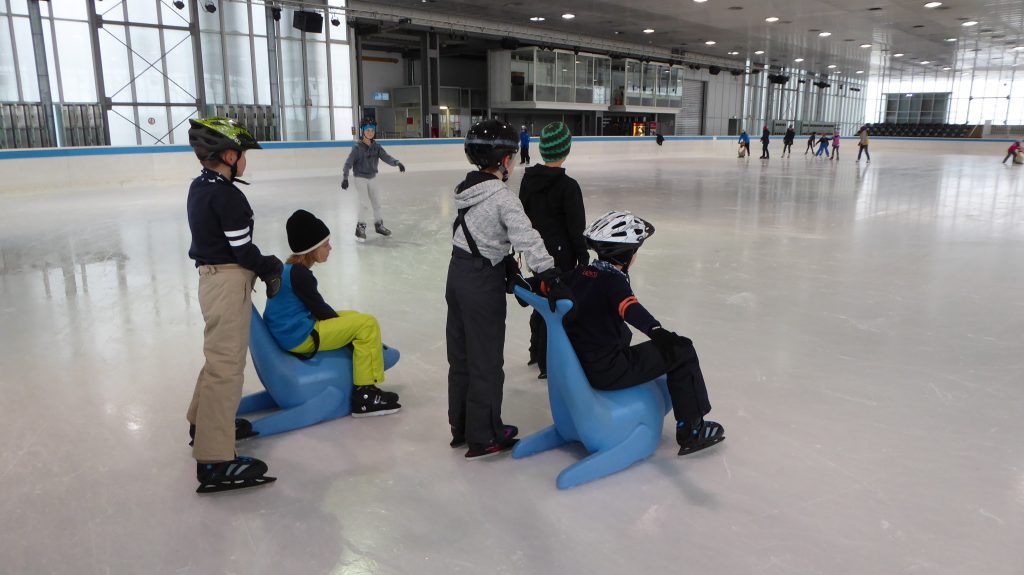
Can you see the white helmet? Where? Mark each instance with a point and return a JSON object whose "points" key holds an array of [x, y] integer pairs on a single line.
{"points": [[615, 236]]}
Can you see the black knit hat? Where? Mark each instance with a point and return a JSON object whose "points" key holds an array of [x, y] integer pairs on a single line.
{"points": [[306, 232]]}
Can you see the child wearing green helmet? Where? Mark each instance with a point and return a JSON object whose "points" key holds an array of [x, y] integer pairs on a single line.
{"points": [[220, 219]]}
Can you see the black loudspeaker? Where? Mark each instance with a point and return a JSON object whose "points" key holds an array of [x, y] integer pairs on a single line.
{"points": [[777, 79], [308, 22], [509, 43], [736, 72], [714, 70]]}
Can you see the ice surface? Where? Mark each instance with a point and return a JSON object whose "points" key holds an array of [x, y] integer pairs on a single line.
{"points": [[860, 327]]}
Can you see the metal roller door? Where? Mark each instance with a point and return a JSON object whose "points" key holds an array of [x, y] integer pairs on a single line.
{"points": [[690, 120]]}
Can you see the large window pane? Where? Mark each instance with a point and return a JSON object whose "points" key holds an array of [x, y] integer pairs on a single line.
{"points": [[213, 69], [316, 53], [120, 119], [179, 123], [295, 123], [72, 10], [236, 17], [181, 71], [153, 121], [240, 70], [262, 72], [26, 59], [259, 19], [149, 78], [343, 124], [291, 73], [76, 63], [8, 79], [172, 16], [142, 11], [320, 123], [115, 63]]}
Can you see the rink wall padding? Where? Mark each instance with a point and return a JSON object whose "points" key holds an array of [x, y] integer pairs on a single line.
{"points": [[135, 166]]}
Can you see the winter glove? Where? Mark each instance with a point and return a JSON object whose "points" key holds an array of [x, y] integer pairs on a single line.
{"points": [[401, 167], [273, 277], [551, 285], [344, 183], [668, 342]]}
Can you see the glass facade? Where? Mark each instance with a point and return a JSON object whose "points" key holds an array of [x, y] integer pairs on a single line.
{"points": [[559, 76], [147, 64]]}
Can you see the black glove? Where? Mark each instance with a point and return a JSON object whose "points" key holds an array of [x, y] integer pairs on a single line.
{"points": [[401, 167], [552, 286], [668, 342], [344, 183], [273, 277]]}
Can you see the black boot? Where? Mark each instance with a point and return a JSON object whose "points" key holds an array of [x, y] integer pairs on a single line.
{"points": [[239, 473], [360, 232], [370, 400], [379, 227], [693, 438]]}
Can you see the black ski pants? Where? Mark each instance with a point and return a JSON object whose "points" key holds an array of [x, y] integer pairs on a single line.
{"points": [[643, 362], [864, 150], [764, 150], [475, 336]]}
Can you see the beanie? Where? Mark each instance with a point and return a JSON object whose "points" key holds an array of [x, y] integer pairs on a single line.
{"points": [[306, 232], [555, 141]]}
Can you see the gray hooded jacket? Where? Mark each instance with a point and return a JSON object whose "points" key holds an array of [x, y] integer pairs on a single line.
{"points": [[497, 222], [362, 160]]}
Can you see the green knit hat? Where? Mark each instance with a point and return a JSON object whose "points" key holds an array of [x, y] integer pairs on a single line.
{"points": [[555, 142]]}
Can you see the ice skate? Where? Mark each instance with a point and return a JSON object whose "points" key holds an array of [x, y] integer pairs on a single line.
{"points": [[703, 435], [370, 400], [380, 229], [495, 446], [239, 473], [360, 232]]}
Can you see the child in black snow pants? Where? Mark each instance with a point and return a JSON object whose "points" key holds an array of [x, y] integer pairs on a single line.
{"points": [[490, 222], [605, 303]]}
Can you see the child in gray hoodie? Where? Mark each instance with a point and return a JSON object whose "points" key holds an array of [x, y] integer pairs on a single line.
{"points": [[490, 222], [363, 160]]}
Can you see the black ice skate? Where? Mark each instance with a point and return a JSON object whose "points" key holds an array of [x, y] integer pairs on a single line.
{"points": [[459, 437], [495, 446], [239, 473], [380, 229], [243, 430], [360, 232], [369, 400], [703, 435]]}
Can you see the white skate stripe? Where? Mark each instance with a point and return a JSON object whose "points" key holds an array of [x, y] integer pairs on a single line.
{"points": [[241, 469]]}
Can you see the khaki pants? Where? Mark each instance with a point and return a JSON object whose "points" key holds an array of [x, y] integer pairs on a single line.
{"points": [[225, 297]]}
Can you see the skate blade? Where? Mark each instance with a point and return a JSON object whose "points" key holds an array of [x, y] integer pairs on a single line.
{"points": [[376, 413], [689, 450], [235, 485]]}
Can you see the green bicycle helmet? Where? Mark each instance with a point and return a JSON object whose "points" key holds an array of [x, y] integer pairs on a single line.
{"points": [[211, 136]]}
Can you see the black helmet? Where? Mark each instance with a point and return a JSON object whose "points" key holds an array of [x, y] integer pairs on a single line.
{"points": [[211, 136], [488, 142]]}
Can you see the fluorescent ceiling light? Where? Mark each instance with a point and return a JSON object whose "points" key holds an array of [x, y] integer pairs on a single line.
{"points": [[710, 42], [824, 34], [734, 53], [970, 23], [759, 52], [859, 72], [926, 62], [865, 45], [648, 30], [700, 1], [933, 4], [537, 19], [950, 39], [831, 66], [568, 16], [898, 55], [798, 60], [771, 19], [947, 68]]}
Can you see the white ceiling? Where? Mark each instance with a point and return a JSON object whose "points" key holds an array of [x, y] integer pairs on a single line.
{"points": [[890, 26]]}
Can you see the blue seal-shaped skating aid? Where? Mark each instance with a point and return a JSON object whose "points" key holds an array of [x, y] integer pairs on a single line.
{"points": [[618, 428], [303, 391]]}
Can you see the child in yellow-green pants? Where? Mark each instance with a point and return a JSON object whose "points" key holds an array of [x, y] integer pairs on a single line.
{"points": [[302, 322]]}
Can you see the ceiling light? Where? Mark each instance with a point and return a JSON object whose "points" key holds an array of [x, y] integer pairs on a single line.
{"points": [[831, 66], [648, 30], [568, 16], [734, 53], [537, 19], [700, 1], [947, 68], [970, 23], [335, 21], [898, 55], [798, 60], [950, 39], [859, 72], [865, 45], [209, 7], [933, 4], [1018, 48], [759, 52], [710, 42], [771, 19], [824, 34], [926, 62]]}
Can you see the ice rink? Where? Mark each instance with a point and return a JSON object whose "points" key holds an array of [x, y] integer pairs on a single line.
{"points": [[860, 327]]}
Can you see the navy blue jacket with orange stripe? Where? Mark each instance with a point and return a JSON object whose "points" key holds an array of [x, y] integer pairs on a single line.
{"points": [[604, 303]]}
